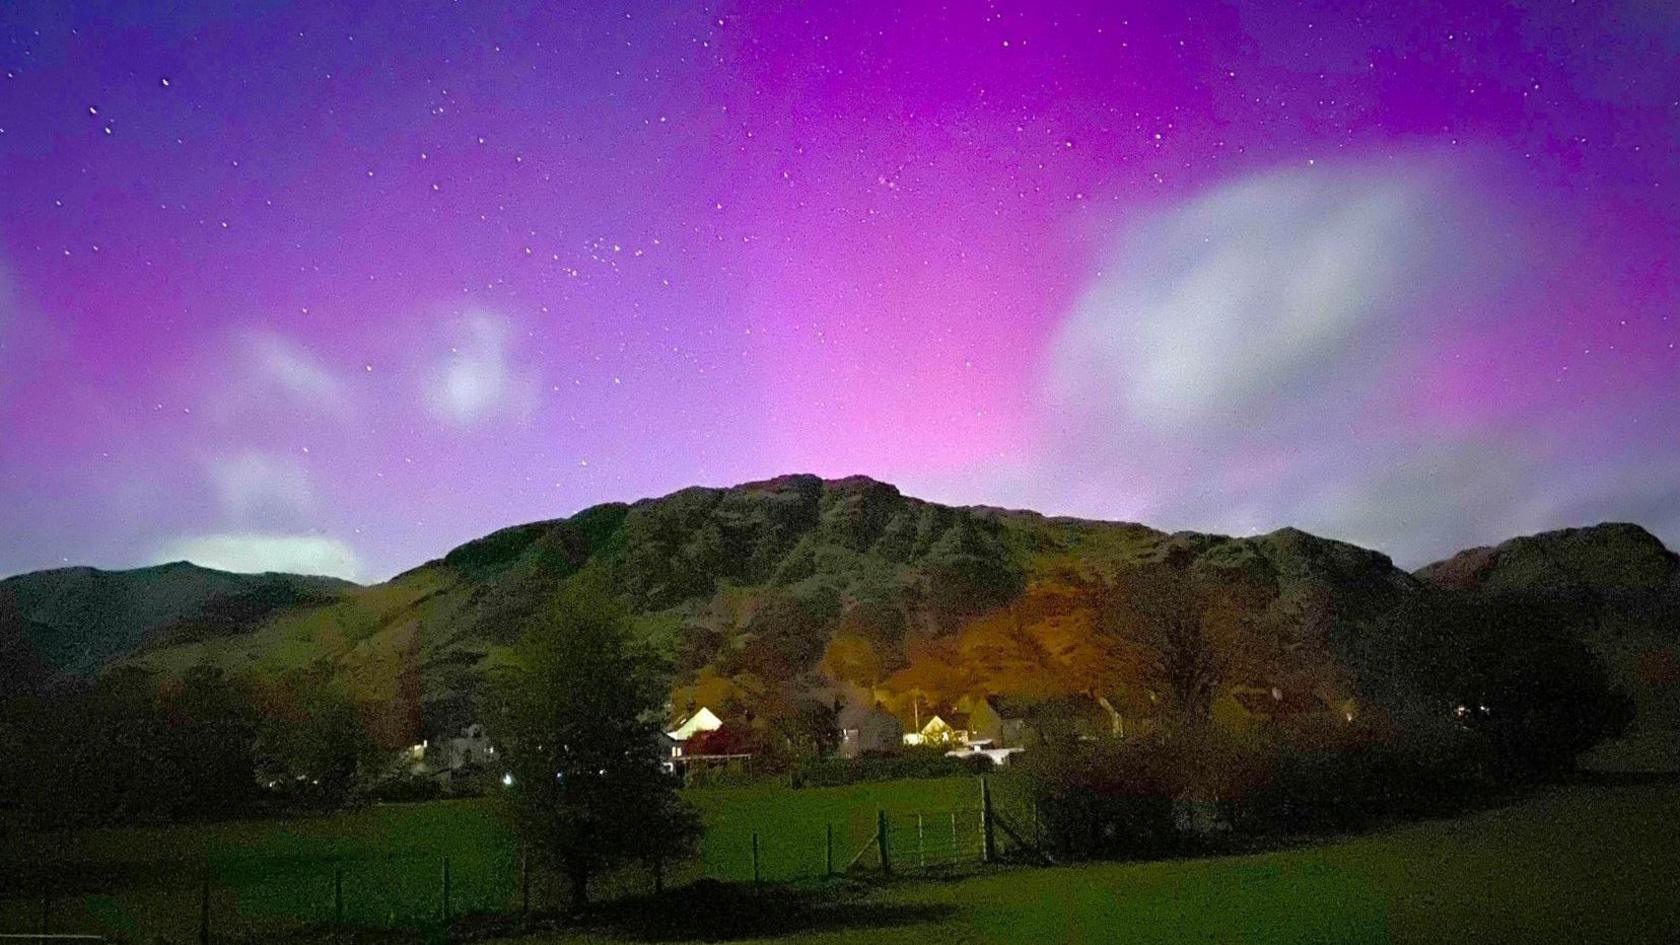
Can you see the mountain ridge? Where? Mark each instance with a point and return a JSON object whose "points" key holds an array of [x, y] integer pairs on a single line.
{"points": [[747, 588]]}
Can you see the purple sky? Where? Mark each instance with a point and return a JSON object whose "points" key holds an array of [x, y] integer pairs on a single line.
{"points": [[336, 287]]}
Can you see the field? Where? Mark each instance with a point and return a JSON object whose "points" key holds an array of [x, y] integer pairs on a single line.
{"points": [[271, 874], [1598, 863], [1595, 862]]}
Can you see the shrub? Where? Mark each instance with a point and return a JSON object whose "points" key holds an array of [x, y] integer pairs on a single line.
{"points": [[1101, 798], [911, 763]]}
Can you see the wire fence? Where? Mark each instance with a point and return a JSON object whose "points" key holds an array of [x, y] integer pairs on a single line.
{"points": [[242, 896]]}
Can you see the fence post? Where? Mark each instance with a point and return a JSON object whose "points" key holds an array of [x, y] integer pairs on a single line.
{"points": [[828, 851], [881, 840], [446, 889], [658, 875], [204, 911], [921, 847], [525, 882], [988, 840], [46, 911], [755, 857]]}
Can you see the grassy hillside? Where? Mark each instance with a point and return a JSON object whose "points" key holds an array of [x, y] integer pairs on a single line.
{"points": [[746, 588], [77, 620], [767, 590]]}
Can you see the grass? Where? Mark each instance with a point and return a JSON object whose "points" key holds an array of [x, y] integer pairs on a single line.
{"points": [[144, 882], [791, 824], [1590, 863], [1593, 862]]}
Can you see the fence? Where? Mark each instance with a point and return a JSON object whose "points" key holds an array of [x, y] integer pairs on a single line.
{"points": [[248, 896]]}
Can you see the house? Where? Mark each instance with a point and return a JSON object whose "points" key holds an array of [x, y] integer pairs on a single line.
{"points": [[867, 729], [944, 726], [710, 754], [701, 720], [987, 720], [470, 749], [668, 748], [1063, 718], [461, 758]]}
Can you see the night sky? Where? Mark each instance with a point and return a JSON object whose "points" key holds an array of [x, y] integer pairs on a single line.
{"points": [[337, 287]]}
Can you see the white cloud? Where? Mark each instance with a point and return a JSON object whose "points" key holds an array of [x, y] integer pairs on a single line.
{"points": [[255, 485], [1250, 360], [284, 367], [478, 379], [256, 552], [1216, 312]]}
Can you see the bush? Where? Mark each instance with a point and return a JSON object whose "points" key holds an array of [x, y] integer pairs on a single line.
{"points": [[1102, 798], [911, 763], [1316, 790], [404, 788], [1153, 796]]}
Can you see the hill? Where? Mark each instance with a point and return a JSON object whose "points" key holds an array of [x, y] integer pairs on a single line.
{"points": [[1626, 583], [765, 592], [751, 591], [76, 621]]}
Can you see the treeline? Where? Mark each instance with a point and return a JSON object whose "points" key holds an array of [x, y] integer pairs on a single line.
{"points": [[1463, 697], [133, 747]]}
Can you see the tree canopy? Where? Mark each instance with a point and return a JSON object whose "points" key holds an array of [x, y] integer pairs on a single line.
{"points": [[578, 712]]}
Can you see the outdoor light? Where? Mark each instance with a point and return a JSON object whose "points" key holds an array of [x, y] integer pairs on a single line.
{"points": [[507, 779]]}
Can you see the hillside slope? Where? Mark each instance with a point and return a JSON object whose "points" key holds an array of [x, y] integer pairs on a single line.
{"points": [[774, 589], [76, 621], [746, 589]]}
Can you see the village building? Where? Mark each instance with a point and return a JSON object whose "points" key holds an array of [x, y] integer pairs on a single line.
{"points": [[469, 749], [867, 729], [703, 748], [938, 727], [702, 719], [450, 760], [987, 720]]}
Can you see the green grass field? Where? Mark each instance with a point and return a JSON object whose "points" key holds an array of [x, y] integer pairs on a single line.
{"points": [[1589, 863], [1579, 864], [269, 874]]}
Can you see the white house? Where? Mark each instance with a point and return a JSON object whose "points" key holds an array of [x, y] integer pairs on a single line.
{"points": [[463, 755], [471, 747], [702, 720]]}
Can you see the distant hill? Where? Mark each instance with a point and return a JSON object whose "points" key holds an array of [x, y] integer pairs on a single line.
{"points": [[75, 621], [1612, 558], [790, 585]]}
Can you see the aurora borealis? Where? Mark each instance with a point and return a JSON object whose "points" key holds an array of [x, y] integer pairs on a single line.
{"points": [[335, 287]]}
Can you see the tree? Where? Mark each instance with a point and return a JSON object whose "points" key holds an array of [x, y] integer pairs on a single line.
{"points": [[1511, 668], [312, 745], [577, 711], [206, 748]]}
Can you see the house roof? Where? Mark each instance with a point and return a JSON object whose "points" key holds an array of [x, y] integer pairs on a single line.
{"points": [[856, 713], [926, 715], [703, 720]]}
